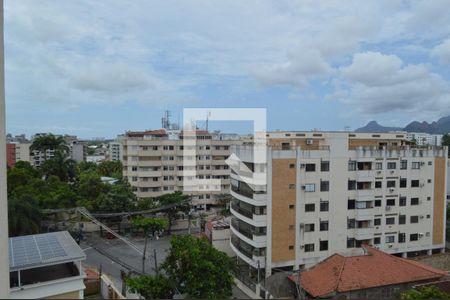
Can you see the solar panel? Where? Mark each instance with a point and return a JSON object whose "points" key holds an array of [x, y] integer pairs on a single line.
{"points": [[36, 249]]}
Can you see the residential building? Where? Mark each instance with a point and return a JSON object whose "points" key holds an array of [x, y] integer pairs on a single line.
{"points": [[343, 277], [77, 150], [218, 233], [423, 139], [115, 150], [17, 151], [328, 192], [46, 266], [153, 162]]}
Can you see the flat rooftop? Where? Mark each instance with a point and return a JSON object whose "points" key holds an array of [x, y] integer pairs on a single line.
{"points": [[40, 250]]}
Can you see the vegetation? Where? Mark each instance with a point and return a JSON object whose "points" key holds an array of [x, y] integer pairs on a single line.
{"points": [[446, 140], [429, 292], [182, 204], [194, 268], [148, 225]]}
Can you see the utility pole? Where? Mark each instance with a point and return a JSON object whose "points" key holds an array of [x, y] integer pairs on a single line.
{"points": [[156, 261]]}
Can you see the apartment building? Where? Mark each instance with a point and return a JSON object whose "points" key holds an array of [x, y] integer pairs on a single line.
{"points": [[115, 150], [153, 162], [17, 151], [332, 192], [423, 139]]}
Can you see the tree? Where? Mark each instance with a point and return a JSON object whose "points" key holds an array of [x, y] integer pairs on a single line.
{"points": [[179, 201], [148, 225], [110, 169], [86, 166], [151, 287], [60, 165], [23, 216], [446, 140], [429, 292], [198, 269], [49, 142]]}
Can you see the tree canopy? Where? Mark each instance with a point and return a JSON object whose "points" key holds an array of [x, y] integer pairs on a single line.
{"points": [[429, 292]]}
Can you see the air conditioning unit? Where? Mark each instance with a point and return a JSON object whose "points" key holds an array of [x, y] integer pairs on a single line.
{"points": [[388, 208], [377, 227], [420, 235], [302, 165], [378, 172], [302, 246], [422, 185], [390, 246], [422, 163], [421, 217], [303, 187], [391, 190], [392, 171], [309, 142]]}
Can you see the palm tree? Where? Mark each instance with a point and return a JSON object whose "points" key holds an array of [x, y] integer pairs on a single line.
{"points": [[60, 165], [24, 216], [47, 142]]}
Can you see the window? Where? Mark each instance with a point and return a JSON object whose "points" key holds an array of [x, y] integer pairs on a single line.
{"points": [[351, 185], [291, 206], [350, 242], [379, 166], [324, 166], [324, 186], [310, 167], [309, 247], [324, 205], [377, 240], [414, 219], [323, 225], [134, 178], [291, 186], [413, 237], [415, 165], [352, 165], [309, 227], [377, 203], [390, 184], [155, 148], [402, 201], [414, 183], [390, 239], [291, 166], [429, 180], [310, 187], [351, 204], [291, 227], [430, 163], [403, 164], [310, 207], [291, 247], [378, 184], [134, 168], [402, 219], [390, 202], [402, 237], [414, 201], [285, 146], [351, 223], [377, 222], [391, 166], [403, 182], [323, 246], [390, 221]]}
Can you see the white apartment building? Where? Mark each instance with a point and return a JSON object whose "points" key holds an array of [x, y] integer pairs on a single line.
{"points": [[423, 139], [331, 192], [153, 163], [115, 151]]}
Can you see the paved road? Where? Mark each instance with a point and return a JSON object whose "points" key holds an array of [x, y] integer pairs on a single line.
{"points": [[114, 255]]}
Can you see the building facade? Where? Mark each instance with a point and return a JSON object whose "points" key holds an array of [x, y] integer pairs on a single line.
{"points": [[115, 151], [423, 139], [153, 163], [330, 192]]}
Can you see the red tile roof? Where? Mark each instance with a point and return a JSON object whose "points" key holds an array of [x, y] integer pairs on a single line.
{"points": [[377, 268], [158, 132]]}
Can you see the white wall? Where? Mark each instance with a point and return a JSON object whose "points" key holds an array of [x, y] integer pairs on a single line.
{"points": [[4, 257]]}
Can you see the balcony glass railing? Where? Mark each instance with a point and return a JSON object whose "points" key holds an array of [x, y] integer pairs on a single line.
{"points": [[244, 212], [247, 230]]}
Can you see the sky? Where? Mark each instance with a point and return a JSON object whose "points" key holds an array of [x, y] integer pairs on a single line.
{"points": [[100, 68]]}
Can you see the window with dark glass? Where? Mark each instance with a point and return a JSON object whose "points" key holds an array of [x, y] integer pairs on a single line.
{"points": [[403, 182], [309, 227], [377, 240], [310, 167], [351, 204], [309, 247], [377, 222], [323, 225], [324, 166], [310, 207], [413, 237], [390, 221], [390, 202], [402, 219], [351, 223], [391, 165], [402, 237], [378, 184], [324, 206], [351, 185], [350, 242], [324, 186], [414, 201], [323, 246], [402, 201], [403, 164], [377, 203], [414, 219], [390, 184], [414, 183]]}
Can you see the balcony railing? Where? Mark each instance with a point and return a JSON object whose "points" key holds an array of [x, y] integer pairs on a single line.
{"points": [[244, 212], [248, 232]]}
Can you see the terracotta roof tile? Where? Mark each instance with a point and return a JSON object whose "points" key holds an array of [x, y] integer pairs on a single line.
{"points": [[341, 274], [158, 132]]}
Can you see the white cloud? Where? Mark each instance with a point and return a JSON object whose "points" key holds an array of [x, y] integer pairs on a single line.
{"points": [[378, 83], [442, 51]]}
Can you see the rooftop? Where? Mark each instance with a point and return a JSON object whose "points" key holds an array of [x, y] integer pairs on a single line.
{"points": [[39, 250], [376, 268]]}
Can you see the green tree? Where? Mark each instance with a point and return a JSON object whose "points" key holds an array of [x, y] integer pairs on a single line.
{"points": [[23, 216], [446, 140], [119, 198], [86, 166], [151, 287], [180, 203], [149, 203], [429, 292], [60, 165], [198, 269], [148, 225], [110, 169], [49, 142]]}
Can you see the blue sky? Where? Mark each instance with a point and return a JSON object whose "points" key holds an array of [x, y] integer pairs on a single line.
{"points": [[99, 68]]}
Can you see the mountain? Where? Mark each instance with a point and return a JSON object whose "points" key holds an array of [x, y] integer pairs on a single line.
{"points": [[440, 126], [373, 126]]}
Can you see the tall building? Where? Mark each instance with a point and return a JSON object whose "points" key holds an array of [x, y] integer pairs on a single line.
{"points": [[17, 151], [115, 150], [423, 139], [331, 192], [153, 163]]}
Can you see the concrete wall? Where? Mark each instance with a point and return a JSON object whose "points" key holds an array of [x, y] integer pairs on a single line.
{"points": [[4, 256]]}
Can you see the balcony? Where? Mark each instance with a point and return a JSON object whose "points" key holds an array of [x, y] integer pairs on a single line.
{"points": [[364, 175], [249, 217], [246, 252], [364, 233], [255, 236], [366, 194], [364, 214]]}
